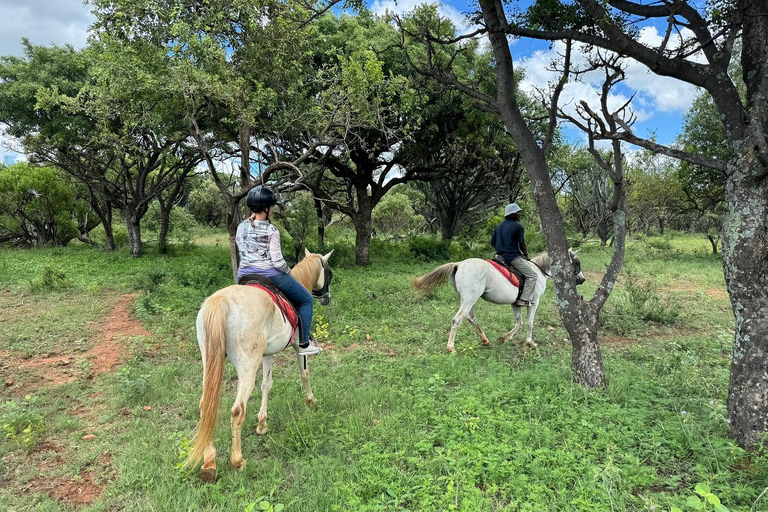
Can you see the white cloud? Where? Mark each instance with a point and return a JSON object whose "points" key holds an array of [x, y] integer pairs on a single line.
{"points": [[43, 22], [403, 6], [653, 93]]}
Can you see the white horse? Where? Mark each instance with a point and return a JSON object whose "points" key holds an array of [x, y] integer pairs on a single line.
{"points": [[244, 324], [474, 278]]}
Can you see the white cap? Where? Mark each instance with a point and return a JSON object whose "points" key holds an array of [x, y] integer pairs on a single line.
{"points": [[512, 208]]}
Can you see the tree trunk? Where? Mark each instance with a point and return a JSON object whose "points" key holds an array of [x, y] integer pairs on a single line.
{"points": [[104, 212], [133, 223], [320, 226], [165, 227], [586, 361], [713, 242], [661, 226], [362, 222], [109, 233], [745, 261], [362, 238], [233, 219]]}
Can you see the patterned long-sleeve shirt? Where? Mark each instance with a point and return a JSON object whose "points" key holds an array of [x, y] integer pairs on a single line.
{"points": [[259, 248]]}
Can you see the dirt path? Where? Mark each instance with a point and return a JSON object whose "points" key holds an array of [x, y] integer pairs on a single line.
{"points": [[108, 351]]}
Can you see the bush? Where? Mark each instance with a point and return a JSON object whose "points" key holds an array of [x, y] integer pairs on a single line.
{"points": [[427, 248], [343, 254], [182, 224], [206, 204], [50, 279], [637, 302], [39, 206], [394, 214], [20, 424]]}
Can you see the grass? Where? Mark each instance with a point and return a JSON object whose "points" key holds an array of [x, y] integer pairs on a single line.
{"points": [[400, 425]]}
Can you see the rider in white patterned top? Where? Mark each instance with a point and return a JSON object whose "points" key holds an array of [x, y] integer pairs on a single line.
{"points": [[258, 244]]}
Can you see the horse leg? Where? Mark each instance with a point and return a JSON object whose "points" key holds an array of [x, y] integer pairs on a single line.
{"points": [[304, 374], [473, 320], [531, 313], [246, 380], [460, 316], [518, 323], [266, 386]]}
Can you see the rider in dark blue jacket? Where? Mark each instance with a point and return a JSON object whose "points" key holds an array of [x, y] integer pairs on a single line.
{"points": [[509, 241]]}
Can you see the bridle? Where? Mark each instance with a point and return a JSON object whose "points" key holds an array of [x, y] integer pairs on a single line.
{"points": [[327, 276]]}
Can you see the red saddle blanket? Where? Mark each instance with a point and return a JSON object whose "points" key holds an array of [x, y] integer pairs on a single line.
{"points": [[286, 308], [512, 278]]}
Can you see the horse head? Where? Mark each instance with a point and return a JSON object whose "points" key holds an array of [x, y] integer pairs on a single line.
{"points": [[576, 264], [320, 289]]}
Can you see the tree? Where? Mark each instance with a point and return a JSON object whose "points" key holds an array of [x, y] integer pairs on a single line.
{"points": [[656, 195], [205, 203], [477, 164], [39, 206], [241, 98], [580, 317], [709, 33], [52, 135], [376, 108], [107, 125], [704, 187], [589, 191]]}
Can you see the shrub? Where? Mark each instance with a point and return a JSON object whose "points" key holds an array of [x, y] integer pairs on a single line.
{"points": [[50, 279], [182, 224], [135, 385], [394, 214], [427, 248], [20, 424], [39, 206], [636, 302], [343, 254], [206, 204]]}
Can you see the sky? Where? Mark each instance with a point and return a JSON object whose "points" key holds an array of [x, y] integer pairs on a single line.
{"points": [[659, 102]]}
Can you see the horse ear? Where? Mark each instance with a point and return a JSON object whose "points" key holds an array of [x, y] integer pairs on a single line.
{"points": [[306, 252], [327, 256]]}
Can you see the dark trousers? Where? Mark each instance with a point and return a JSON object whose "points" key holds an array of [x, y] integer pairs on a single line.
{"points": [[299, 296]]}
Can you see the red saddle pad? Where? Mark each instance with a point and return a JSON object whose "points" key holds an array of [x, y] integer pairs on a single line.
{"points": [[512, 278], [286, 308]]}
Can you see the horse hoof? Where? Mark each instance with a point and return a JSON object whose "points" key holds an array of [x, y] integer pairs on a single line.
{"points": [[208, 475], [261, 431], [238, 466], [311, 402], [501, 340], [531, 344], [485, 342], [450, 350]]}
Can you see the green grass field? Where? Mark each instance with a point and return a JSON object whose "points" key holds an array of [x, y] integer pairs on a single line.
{"points": [[400, 425]]}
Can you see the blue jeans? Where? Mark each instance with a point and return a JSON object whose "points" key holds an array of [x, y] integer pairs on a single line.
{"points": [[302, 298]]}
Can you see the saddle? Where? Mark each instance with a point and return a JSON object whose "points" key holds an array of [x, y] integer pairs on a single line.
{"points": [[508, 271], [286, 307]]}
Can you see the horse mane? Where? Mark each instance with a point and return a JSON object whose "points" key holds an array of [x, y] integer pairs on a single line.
{"points": [[543, 261], [307, 271]]}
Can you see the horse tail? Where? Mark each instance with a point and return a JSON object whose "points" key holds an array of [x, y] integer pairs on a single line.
{"points": [[214, 329], [429, 282]]}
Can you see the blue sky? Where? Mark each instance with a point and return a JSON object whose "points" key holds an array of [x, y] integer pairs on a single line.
{"points": [[659, 102]]}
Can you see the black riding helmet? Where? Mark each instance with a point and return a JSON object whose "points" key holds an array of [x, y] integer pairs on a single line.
{"points": [[260, 198]]}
